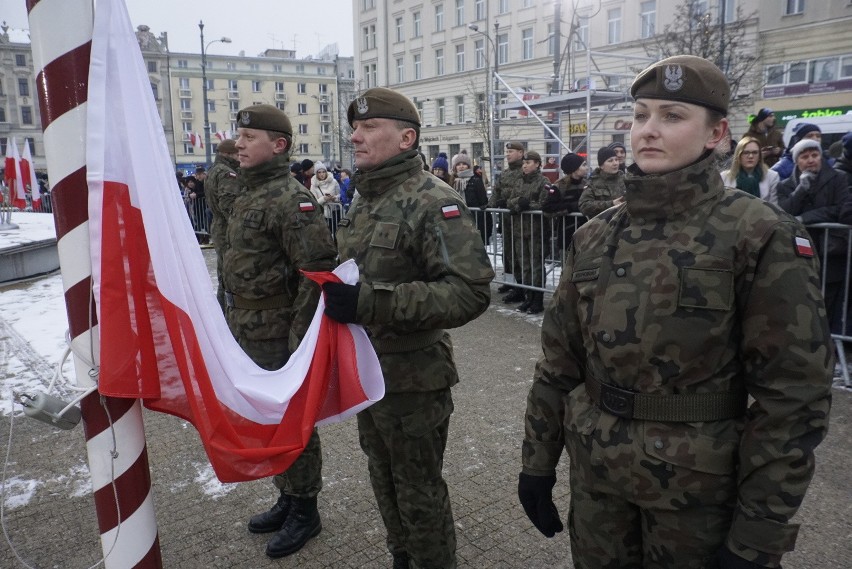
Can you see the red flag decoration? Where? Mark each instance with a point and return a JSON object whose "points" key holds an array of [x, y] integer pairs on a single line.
{"points": [[29, 176], [198, 140], [163, 336], [13, 176]]}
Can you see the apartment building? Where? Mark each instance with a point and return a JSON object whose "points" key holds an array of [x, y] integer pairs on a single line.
{"points": [[19, 107]]}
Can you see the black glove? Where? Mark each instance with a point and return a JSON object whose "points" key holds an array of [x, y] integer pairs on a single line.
{"points": [[536, 495], [730, 560], [341, 301], [523, 204]]}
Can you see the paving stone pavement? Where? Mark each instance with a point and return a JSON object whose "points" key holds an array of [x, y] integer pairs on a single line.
{"points": [[203, 523]]}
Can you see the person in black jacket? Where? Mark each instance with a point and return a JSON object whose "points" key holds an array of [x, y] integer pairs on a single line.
{"points": [[472, 190], [563, 198]]}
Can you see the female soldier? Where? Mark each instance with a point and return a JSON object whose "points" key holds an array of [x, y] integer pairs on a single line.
{"points": [[673, 308]]}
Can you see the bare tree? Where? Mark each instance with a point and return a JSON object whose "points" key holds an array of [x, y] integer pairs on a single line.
{"points": [[731, 44]]}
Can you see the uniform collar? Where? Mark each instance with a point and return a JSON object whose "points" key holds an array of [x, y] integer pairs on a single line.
{"points": [[389, 174], [262, 173]]}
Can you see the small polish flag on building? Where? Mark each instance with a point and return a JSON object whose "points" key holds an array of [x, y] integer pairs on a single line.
{"points": [[804, 247], [450, 211]]}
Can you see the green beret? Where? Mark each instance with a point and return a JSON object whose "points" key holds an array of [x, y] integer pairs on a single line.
{"points": [[515, 145], [685, 78], [532, 155], [381, 103], [264, 117]]}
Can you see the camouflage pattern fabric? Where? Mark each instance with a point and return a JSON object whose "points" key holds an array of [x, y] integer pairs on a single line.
{"points": [[528, 236], [221, 189], [423, 269], [687, 288], [505, 187], [276, 229], [600, 192]]}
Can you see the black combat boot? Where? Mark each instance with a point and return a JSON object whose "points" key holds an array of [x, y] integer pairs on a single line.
{"points": [[273, 519], [503, 288], [302, 524], [537, 304], [515, 295], [400, 560], [527, 303]]}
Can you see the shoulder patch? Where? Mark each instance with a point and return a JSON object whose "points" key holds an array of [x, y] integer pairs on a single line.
{"points": [[451, 211], [802, 246], [306, 206], [232, 174]]}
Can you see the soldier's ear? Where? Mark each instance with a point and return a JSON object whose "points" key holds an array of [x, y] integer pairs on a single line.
{"points": [[281, 145]]}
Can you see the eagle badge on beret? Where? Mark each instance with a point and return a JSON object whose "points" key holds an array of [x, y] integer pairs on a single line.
{"points": [[361, 104], [245, 118], [673, 78]]}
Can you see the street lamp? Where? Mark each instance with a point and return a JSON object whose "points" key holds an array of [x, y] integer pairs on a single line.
{"points": [[493, 126], [204, 87]]}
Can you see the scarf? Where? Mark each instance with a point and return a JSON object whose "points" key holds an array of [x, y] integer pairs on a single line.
{"points": [[750, 183]]}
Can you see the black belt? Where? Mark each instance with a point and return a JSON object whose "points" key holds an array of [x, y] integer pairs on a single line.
{"points": [[267, 303], [679, 408]]}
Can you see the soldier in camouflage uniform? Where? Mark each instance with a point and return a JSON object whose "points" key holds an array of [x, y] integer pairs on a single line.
{"points": [[673, 309], [505, 187], [606, 186], [423, 269], [275, 230], [527, 231], [221, 190]]}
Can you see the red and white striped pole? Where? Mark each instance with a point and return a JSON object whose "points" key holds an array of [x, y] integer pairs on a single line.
{"points": [[61, 35]]}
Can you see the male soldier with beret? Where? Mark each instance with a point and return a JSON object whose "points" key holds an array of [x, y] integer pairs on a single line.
{"points": [[222, 189], [423, 269], [687, 360], [276, 230], [504, 188]]}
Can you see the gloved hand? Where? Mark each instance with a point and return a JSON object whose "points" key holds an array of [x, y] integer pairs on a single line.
{"points": [[341, 301], [730, 560], [536, 496], [523, 204], [805, 179]]}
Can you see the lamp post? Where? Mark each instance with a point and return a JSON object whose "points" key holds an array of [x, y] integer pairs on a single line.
{"points": [[204, 88], [493, 126]]}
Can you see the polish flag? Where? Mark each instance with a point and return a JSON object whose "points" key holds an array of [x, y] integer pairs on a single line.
{"points": [[13, 176], [198, 140], [222, 135], [163, 336], [29, 176]]}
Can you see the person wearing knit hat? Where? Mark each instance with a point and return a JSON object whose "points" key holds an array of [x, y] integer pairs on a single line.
{"points": [[461, 158], [472, 190], [441, 168], [771, 139], [620, 153], [606, 186], [803, 145], [785, 166], [276, 233], [685, 294], [563, 198], [571, 163], [308, 172]]}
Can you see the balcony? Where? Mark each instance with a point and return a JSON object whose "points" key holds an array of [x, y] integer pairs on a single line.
{"points": [[184, 93], [186, 114], [325, 117], [280, 96], [234, 95], [325, 137], [323, 98]]}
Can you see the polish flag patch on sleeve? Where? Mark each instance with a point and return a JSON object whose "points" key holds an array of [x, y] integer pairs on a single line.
{"points": [[232, 174], [803, 246], [450, 211], [306, 206]]}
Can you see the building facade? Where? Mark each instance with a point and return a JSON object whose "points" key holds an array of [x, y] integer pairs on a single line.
{"points": [[20, 115]]}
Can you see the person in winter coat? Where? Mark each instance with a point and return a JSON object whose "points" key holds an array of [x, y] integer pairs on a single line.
{"points": [[606, 186], [785, 166], [472, 191], [749, 174], [345, 181], [564, 198], [326, 191], [441, 168]]}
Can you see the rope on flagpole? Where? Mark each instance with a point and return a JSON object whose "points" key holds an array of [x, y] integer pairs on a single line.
{"points": [[61, 35]]}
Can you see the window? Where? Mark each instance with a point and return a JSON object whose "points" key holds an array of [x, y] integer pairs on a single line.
{"points": [[418, 67], [459, 108], [210, 86], [439, 17], [613, 27], [255, 86], [479, 54], [527, 43], [23, 87], [419, 105], [400, 30], [320, 70], [324, 108], [3, 116], [798, 72], [152, 66], [323, 87], [439, 62], [26, 115], [846, 67], [281, 105], [823, 70], [502, 6], [20, 59], [185, 105], [371, 75], [369, 33], [417, 31], [400, 70], [254, 66], [211, 105], [279, 86], [187, 126], [581, 39], [155, 90], [301, 88], [303, 129], [527, 4], [213, 127], [300, 68], [188, 148], [303, 108], [647, 18], [730, 8], [551, 38], [278, 68], [775, 74], [233, 106], [460, 58], [368, 5], [459, 12], [230, 66], [232, 84], [479, 10], [481, 107], [795, 7], [440, 111], [303, 148], [182, 64], [503, 48]]}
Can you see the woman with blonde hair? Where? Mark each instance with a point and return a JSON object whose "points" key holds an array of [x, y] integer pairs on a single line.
{"points": [[750, 174]]}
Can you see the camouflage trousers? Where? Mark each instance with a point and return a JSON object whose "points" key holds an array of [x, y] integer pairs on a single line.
{"points": [[636, 505], [404, 436], [304, 477], [528, 259]]}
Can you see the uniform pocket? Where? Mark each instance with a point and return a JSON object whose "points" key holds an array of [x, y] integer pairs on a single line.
{"points": [[682, 444], [712, 289]]}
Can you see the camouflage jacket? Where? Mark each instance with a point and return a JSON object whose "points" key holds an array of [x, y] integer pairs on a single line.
{"points": [[531, 187], [693, 288], [221, 189], [600, 192], [276, 228], [506, 185], [423, 269], [564, 197]]}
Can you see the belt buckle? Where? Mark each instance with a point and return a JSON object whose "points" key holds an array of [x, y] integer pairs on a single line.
{"points": [[617, 401], [229, 299]]}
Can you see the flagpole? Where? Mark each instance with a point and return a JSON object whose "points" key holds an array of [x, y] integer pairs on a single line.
{"points": [[61, 35]]}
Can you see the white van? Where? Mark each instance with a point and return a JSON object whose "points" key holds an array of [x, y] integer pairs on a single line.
{"points": [[833, 128]]}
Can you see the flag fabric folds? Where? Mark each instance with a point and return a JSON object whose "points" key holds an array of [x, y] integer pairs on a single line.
{"points": [[28, 176], [13, 177], [163, 337]]}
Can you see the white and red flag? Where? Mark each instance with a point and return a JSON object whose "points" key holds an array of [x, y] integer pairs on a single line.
{"points": [[13, 177], [28, 175], [163, 336], [199, 141]]}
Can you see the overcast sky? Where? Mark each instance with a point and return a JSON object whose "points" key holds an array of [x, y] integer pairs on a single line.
{"points": [[252, 25]]}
